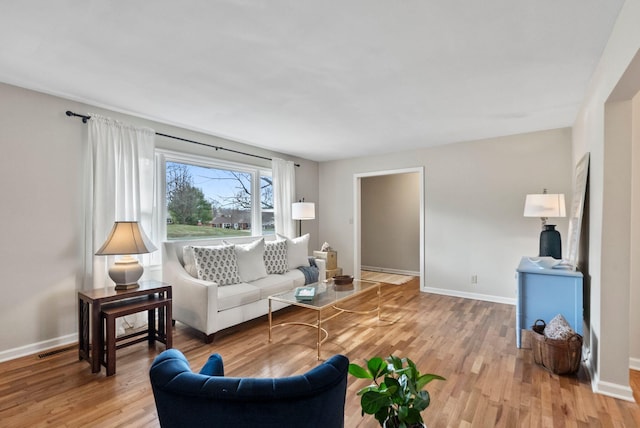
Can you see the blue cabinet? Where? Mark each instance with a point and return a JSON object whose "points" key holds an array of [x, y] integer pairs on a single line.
{"points": [[544, 292]]}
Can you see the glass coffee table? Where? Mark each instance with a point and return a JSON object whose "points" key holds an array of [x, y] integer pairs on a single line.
{"points": [[327, 296]]}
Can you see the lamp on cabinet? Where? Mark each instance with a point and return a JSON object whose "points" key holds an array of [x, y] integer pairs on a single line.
{"points": [[547, 205]]}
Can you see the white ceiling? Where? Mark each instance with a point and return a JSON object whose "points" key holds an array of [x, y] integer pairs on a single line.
{"points": [[322, 80]]}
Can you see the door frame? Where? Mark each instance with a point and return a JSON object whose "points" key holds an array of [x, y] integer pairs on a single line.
{"points": [[357, 220]]}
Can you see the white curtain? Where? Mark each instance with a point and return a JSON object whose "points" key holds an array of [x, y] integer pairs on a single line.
{"points": [[120, 186], [284, 193]]}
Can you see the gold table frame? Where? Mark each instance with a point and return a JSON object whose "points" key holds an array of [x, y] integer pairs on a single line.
{"points": [[328, 296]]}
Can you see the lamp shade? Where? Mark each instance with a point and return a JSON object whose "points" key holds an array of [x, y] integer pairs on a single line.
{"points": [[545, 205], [303, 211], [126, 237]]}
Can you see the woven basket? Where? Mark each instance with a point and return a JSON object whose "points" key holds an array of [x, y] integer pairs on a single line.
{"points": [[558, 356]]}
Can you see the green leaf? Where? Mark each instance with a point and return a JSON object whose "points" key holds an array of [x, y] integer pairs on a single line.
{"points": [[425, 379], [395, 362], [373, 401], [382, 415], [421, 401], [368, 388], [412, 417], [392, 385], [359, 372], [377, 367]]}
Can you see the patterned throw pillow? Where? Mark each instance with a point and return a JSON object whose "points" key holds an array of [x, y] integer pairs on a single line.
{"points": [[558, 328], [218, 264], [275, 256]]}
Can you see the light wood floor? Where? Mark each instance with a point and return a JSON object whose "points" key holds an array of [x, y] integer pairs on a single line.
{"points": [[389, 278], [489, 382]]}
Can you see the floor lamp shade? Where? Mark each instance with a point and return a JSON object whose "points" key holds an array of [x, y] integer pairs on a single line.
{"points": [[303, 211], [126, 238], [547, 205]]}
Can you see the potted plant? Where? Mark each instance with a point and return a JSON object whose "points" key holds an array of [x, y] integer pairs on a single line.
{"points": [[398, 399]]}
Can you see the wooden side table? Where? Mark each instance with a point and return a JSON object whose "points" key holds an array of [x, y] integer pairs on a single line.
{"points": [[92, 303]]}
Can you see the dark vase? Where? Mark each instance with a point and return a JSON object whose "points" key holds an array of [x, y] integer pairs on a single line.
{"points": [[550, 244]]}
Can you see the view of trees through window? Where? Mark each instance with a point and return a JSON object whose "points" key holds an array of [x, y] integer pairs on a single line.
{"points": [[209, 202]]}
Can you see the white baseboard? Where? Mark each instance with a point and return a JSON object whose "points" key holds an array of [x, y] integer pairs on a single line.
{"points": [[621, 392], [34, 348], [634, 363], [389, 270], [466, 295]]}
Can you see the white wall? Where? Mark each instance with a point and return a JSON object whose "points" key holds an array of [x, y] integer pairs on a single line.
{"points": [[390, 222], [474, 195], [609, 250], [40, 189], [41, 179]]}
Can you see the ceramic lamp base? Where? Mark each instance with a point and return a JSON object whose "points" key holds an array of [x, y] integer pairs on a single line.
{"points": [[550, 243], [125, 273]]}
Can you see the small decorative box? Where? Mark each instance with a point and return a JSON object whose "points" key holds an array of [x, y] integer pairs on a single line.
{"points": [[305, 293]]}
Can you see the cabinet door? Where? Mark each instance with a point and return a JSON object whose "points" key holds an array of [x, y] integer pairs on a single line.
{"points": [[545, 296]]}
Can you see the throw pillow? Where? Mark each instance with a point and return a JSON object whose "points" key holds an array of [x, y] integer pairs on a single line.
{"points": [[297, 250], [218, 264], [189, 260], [558, 328], [250, 260], [275, 256]]}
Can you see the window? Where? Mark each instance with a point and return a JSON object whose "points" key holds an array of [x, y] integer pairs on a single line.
{"points": [[207, 198]]}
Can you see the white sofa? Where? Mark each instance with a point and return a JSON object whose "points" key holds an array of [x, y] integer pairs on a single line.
{"points": [[209, 307]]}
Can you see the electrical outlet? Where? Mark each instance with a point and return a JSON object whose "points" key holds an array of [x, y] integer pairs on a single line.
{"points": [[474, 279]]}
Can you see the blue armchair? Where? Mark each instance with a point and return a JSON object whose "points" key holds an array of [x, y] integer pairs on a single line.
{"points": [[208, 399]]}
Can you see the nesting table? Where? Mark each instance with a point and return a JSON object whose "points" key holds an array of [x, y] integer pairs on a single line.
{"points": [[98, 309]]}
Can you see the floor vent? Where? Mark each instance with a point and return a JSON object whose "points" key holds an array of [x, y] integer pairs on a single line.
{"points": [[56, 351]]}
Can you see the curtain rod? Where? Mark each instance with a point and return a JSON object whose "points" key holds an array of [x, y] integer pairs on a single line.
{"points": [[85, 118]]}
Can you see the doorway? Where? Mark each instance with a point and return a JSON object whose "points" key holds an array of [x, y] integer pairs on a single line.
{"points": [[399, 247]]}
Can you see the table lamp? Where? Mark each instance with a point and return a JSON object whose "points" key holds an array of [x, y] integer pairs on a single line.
{"points": [[126, 238], [547, 205]]}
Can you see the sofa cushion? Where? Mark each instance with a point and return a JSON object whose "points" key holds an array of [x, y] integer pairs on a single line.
{"points": [[251, 260], [218, 264], [275, 256], [297, 251], [273, 284], [296, 276], [236, 295]]}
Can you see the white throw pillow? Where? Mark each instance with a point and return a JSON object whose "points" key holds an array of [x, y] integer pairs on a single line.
{"points": [[218, 264], [275, 256], [251, 260], [189, 260], [297, 251]]}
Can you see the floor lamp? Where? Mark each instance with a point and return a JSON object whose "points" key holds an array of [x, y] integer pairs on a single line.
{"points": [[302, 210]]}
